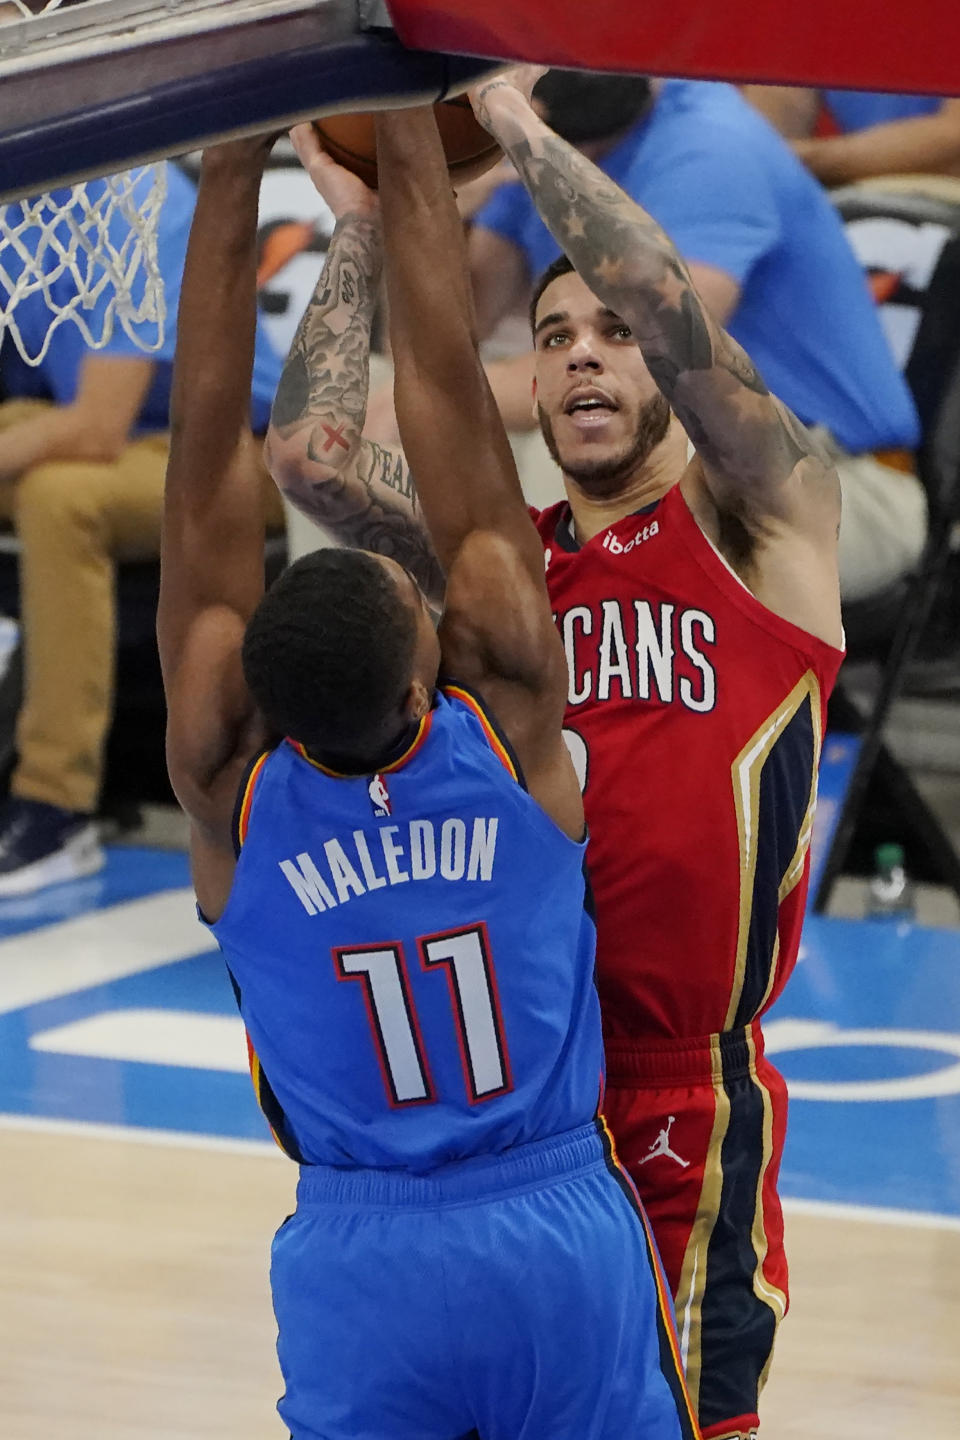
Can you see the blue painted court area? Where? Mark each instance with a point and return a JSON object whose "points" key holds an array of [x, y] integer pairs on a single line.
{"points": [[115, 1010], [130, 874], [867, 1034]]}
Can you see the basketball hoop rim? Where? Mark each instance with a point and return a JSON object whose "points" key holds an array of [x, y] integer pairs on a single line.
{"points": [[206, 85]]}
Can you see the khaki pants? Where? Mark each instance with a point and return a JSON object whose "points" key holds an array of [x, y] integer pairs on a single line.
{"points": [[883, 522], [932, 187], [74, 520]]}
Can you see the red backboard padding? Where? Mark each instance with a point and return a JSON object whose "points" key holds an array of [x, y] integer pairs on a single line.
{"points": [[900, 45]]}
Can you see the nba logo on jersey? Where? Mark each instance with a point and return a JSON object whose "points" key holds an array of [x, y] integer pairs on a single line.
{"points": [[379, 797]]}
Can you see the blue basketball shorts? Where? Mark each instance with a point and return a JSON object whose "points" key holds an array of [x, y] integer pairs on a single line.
{"points": [[508, 1297]]}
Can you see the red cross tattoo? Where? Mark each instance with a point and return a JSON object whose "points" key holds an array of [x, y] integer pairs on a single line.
{"points": [[336, 437]]}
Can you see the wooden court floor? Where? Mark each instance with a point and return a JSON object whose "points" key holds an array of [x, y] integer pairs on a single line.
{"points": [[134, 1303]]}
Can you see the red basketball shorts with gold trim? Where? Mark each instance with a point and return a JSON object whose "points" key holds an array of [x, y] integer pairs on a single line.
{"points": [[699, 1125]]}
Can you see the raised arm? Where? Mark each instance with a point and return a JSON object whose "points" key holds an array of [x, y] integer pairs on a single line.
{"points": [[211, 575], [359, 491], [497, 632], [758, 459]]}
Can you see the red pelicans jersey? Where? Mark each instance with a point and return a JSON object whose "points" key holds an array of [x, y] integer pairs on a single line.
{"points": [[694, 717]]}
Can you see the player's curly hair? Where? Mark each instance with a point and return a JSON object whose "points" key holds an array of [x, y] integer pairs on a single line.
{"points": [[328, 652]]}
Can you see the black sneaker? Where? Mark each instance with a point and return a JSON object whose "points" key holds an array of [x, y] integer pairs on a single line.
{"points": [[43, 845]]}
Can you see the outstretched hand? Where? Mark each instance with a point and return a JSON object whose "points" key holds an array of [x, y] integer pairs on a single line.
{"points": [[521, 78], [344, 192]]}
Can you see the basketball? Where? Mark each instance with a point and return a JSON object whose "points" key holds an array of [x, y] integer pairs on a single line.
{"points": [[351, 140]]}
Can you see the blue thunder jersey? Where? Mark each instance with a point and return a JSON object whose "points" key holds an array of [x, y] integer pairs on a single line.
{"points": [[411, 953]]}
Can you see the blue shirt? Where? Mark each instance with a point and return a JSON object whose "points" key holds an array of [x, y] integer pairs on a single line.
{"points": [[411, 954], [731, 194], [859, 109], [57, 376]]}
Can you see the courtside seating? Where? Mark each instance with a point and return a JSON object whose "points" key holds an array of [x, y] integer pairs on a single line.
{"points": [[136, 766], [910, 246]]}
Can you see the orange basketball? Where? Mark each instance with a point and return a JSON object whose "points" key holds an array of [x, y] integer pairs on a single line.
{"points": [[351, 140]]}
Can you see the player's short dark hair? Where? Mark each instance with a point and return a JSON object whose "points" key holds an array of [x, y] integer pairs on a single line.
{"points": [[588, 105], [329, 651], [560, 266]]}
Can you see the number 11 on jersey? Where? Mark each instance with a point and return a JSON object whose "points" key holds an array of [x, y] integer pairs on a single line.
{"points": [[464, 955]]}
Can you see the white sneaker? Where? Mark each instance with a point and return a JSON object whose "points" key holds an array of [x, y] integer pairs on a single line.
{"points": [[43, 845]]}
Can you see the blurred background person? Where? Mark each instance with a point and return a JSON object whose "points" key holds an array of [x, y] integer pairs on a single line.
{"points": [[83, 452], [767, 253], [844, 136]]}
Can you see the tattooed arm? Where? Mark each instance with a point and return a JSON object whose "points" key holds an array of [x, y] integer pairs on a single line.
{"points": [[361, 492], [759, 462]]}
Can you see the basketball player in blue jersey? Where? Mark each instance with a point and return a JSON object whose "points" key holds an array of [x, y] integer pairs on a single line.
{"points": [[397, 887]]}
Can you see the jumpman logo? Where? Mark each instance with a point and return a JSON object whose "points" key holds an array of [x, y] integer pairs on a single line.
{"points": [[661, 1146]]}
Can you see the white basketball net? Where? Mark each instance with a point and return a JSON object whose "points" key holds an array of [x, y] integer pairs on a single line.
{"points": [[90, 253]]}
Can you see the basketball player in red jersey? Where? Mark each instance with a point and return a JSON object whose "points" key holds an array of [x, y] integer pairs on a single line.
{"points": [[699, 603]]}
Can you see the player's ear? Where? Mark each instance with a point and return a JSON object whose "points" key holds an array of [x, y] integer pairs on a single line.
{"points": [[533, 397], [418, 700]]}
